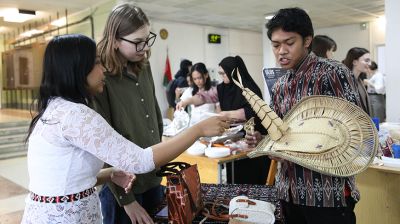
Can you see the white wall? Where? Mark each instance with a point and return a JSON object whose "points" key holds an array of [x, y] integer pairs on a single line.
{"points": [[269, 59], [248, 45], [190, 41], [392, 8], [346, 37]]}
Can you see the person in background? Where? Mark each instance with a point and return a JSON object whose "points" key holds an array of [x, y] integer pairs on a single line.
{"points": [[376, 92], [68, 142], [204, 99], [323, 46], [235, 106], [185, 93], [308, 197], [129, 105], [179, 83], [358, 61]]}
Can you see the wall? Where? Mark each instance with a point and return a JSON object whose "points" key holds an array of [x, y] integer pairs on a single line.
{"points": [[346, 37], [392, 8]]}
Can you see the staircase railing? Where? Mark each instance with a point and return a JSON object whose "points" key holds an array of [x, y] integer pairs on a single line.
{"points": [[19, 98]]}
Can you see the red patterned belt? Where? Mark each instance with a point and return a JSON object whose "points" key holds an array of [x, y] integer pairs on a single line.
{"points": [[62, 199]]}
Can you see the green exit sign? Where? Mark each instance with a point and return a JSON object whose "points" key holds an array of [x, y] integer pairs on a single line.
{"points": [[214, 38]]}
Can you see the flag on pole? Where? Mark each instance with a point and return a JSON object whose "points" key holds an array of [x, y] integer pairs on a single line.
{"points": [[167, 72]]}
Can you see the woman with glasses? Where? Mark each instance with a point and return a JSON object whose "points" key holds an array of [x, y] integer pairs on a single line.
{"points": [[68, 142], [129, 104], [358, 61]]}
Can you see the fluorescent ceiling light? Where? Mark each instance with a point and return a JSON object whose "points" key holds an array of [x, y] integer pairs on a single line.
{"points": [[13, 15], [59, 22]]}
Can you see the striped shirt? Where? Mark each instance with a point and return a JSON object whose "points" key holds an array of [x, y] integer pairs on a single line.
{"points": [[314, 76]]}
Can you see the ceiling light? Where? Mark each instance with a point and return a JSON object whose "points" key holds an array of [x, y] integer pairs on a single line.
{"points": [[17, 16], [59, 22]]}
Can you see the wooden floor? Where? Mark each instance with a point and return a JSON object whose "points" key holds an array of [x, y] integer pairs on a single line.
{"points": [[10, 115]]}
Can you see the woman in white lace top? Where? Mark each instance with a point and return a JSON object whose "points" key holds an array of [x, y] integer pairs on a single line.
{"points": [[68, 141]]}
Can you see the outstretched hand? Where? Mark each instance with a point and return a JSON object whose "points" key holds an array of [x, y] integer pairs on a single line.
{"points": [[123, 179], [213, 126]]}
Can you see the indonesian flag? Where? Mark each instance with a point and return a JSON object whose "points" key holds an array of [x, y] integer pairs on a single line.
{"points": [[167, 72]]}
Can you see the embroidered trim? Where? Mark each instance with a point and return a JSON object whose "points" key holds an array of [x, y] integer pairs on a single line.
{"points": [[62, 199]]}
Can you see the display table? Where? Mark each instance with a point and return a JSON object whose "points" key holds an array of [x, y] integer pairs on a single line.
{"points": [[210, 169], [211, 192], [208, 166], [380, 195]]}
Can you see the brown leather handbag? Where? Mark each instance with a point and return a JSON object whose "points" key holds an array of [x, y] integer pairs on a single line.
{"points": [[184, 196]]}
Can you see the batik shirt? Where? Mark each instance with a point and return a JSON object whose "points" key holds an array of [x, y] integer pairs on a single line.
{"points": [[313, 76]]}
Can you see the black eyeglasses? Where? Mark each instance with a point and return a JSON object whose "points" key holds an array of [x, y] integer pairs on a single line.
{"points": [[140, 45]]}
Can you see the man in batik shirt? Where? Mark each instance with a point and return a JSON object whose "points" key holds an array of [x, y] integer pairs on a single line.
{"points": [[308, 196]]}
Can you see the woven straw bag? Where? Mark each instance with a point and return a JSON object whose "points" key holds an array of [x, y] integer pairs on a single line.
{"points": [[250, 210], [326, 134]]}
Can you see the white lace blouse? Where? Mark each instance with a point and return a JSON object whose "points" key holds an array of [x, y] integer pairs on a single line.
{"points": [[68, 146]]}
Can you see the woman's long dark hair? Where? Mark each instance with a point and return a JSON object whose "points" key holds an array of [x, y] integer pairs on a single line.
{"points": [[67, 61], [201, 68]]}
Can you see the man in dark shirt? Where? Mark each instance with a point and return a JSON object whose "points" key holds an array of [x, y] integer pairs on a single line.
{"points": [[308, 196]]}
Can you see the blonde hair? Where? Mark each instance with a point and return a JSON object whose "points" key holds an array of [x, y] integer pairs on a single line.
{"points": [[123, 20]]}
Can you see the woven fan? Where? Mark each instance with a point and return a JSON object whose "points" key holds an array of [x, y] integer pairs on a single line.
{"points": [[326, 134]]}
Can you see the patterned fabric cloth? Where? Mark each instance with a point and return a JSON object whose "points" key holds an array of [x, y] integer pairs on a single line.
{"points": [[66, 150], [64, 198], [314, 76]]}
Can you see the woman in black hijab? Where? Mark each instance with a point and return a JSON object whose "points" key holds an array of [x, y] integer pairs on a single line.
{"points": [[234, 105]]}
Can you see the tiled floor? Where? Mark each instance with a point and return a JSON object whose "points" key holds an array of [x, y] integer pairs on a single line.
{"points": [[13, 185], [13, 177], [14, 115]]}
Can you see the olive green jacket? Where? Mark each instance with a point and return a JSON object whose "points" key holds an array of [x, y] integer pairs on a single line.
{"points": [[130, 106]]}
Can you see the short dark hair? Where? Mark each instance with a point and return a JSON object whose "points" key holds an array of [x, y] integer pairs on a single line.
{"points": [[373, 66], [291, 20], [322, 44], [68, 59], [354, 54]]}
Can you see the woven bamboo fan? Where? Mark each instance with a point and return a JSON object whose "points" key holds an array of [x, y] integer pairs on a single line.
{"points": [[326, 134]]}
